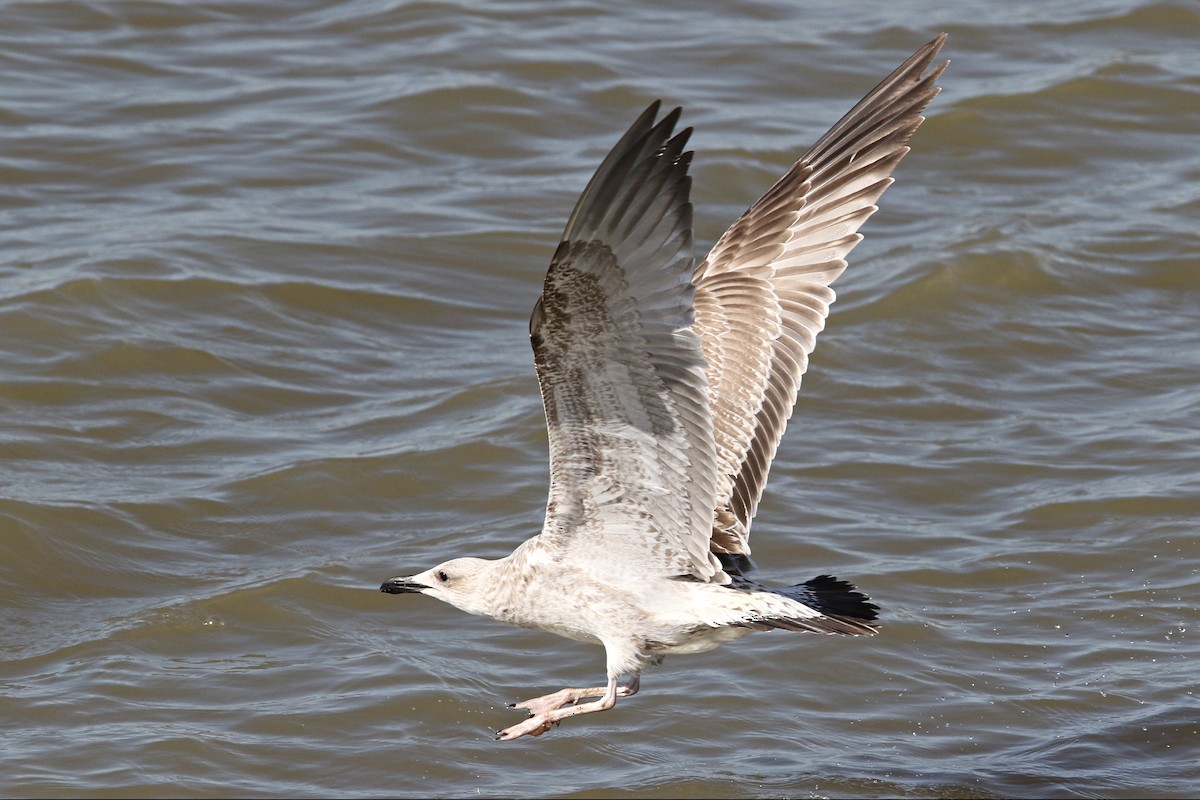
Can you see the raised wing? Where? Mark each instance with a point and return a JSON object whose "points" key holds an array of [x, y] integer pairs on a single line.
{"points": [[632, 460], [763, 292]]}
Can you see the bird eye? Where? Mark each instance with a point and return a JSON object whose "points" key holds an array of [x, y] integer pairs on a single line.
{"points": [[442, 576]]}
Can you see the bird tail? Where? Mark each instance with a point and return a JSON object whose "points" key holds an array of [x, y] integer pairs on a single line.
{"points": [[845, 609], [829, 595], [822, 605]]}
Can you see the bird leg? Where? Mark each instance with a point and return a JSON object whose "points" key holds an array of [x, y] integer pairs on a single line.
{"points": [[545, 712], [551, 702]]}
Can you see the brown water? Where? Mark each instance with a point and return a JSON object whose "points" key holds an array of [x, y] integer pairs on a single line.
{"points": [[265, 281]]}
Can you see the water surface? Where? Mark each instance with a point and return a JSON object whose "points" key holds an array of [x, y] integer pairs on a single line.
{"points": [[267, 270]]}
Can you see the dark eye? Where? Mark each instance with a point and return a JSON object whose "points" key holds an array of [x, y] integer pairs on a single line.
{"points": [[442, 576]]}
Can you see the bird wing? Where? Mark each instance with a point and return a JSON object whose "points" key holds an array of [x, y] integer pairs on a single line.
{"points": [[763, 292], [622, 375]]}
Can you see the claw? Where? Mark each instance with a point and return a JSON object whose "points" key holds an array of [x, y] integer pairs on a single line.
{"points": [[534, 726]]}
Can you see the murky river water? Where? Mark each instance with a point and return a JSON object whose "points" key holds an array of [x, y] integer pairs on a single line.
{"points": [[263, 298]]}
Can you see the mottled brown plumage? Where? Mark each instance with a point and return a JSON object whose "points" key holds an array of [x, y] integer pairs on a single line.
{"points": [[763, 292], [667, 385]]}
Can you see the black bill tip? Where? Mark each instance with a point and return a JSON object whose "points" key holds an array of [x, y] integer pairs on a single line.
{"points": [[401, 586]]}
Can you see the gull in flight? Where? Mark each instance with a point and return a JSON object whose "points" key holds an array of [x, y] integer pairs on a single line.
{"points": [[667, 385]]}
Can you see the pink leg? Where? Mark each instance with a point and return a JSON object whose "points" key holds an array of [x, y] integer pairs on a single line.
{"points": [[556, 700], [546, 712]]}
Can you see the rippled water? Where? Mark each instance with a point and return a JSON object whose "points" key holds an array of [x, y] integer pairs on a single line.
{"points": [[267, 269]]}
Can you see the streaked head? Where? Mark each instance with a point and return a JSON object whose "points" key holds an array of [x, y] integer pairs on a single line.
{"points": [[461, 582]]}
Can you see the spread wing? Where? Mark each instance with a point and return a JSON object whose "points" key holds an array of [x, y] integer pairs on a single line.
{"points": [[632, 459], [763, 292]]}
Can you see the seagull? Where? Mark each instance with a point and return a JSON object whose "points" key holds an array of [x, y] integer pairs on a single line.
{"points": [[667, 385]]}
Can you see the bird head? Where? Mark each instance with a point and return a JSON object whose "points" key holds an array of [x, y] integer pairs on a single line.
{"points": [[461, 582]]}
